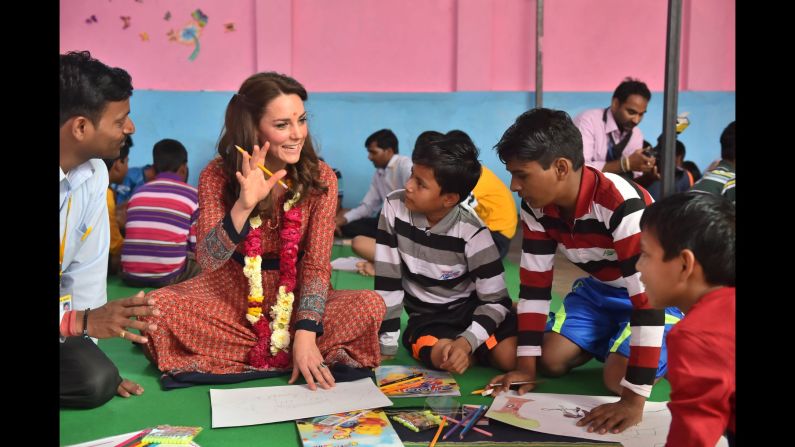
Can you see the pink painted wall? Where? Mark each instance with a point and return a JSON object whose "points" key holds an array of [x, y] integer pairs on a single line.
{"points": [[409, 45], [224, 60]]}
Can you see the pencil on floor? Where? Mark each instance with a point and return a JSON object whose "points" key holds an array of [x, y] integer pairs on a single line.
{"points": [[479, 430], [438, 432], [478, 413]]}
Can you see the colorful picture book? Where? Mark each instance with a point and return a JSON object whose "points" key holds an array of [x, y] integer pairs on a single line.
{"points": [[434, 383], [353, 428]]}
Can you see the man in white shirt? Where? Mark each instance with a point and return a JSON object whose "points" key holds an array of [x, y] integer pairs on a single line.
{"points": [[392, 172], [94, 119]]}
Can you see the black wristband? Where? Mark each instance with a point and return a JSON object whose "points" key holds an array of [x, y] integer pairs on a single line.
{"points": [[85, 323]]}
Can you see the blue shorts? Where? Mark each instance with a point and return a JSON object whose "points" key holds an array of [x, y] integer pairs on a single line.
{"points": [[595, 316]]}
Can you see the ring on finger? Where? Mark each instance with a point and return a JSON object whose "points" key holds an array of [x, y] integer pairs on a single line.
{"points": [[322, 365], [123, 333]]}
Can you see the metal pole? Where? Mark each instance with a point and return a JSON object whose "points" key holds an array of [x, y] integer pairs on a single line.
{"points": [[539, 62], [671, 94]]}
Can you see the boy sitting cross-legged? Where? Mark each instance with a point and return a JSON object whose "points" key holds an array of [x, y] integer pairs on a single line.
{"points": [[439, 259]]}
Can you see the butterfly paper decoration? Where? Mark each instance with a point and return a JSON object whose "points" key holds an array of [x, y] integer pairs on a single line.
{"points": [[92, 19], [126, 20]]}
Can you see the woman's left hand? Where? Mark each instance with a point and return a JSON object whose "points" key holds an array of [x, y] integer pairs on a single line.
{"points": [[309, 362]]}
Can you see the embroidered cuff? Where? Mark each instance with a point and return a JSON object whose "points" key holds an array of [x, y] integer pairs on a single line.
{"points": [[310, 325], [312, 304], [229, 227]]}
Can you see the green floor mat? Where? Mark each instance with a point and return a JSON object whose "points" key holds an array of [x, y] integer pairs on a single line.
{"points": [[191, 406]]}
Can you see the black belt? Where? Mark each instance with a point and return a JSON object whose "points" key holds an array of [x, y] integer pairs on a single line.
{"points": [[267, 263]]}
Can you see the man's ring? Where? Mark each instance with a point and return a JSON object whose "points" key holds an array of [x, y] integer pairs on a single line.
{"points": [[123, 333], [322, 365]]}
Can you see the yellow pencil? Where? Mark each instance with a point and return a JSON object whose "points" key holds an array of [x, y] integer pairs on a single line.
{"points": [[264, 169], [401, 385]]}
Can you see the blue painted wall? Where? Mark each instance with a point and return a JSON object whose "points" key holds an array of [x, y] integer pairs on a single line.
{"points": [[340, 122]]}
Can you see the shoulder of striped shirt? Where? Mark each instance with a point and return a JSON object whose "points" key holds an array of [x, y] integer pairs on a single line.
{"points": [[172, 182], [471, 219], [720, 175]]}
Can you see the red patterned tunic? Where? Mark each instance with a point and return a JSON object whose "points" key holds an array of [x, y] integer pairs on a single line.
{"points": [[202, 325]]}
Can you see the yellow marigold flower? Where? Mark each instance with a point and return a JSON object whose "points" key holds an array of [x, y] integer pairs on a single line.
{"points": [[255, 222], [280, 338], [283, 319]]}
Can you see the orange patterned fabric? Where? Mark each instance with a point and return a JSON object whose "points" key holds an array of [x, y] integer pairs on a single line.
{"points": [[202, 326]]}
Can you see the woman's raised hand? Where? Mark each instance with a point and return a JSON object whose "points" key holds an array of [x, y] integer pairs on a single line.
{"points": [[254, 187]]}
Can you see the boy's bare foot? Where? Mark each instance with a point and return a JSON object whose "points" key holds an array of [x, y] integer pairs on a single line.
{"points": [[366, 268], [127, 388]]}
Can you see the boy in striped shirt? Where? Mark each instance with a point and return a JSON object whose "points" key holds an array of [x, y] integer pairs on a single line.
{"points": [[593, 217], [159, 247], [437, 257]]}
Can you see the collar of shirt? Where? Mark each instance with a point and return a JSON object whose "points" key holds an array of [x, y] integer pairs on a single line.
{"points": [[73, 179], [585, 196], [393, 162], [442, 227], [611, 127], [169, 176]]}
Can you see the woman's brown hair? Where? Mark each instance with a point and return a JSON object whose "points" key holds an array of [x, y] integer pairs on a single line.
{"points": [[243, 114]]}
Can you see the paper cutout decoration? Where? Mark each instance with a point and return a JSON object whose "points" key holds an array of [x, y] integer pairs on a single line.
{"points": [[92, 19], [229, 27], [126, 20], [190, 33], [144, 36], [167, 16]]}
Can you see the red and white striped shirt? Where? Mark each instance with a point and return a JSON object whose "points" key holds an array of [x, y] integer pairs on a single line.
{"points": [[604, 241]]}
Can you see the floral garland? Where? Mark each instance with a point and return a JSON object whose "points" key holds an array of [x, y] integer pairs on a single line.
{"points": [[273, 337]]}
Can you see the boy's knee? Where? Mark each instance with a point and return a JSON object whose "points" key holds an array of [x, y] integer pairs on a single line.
{"points": [[99, 386], [505, 362], [503, 356], [358, 243], [552, 368]]}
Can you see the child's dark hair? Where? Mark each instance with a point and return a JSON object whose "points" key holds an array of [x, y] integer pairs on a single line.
{"points": [[168, 155], [123, 153], [727, 144], [698, 221], [384, 139], [542, 135], [87, 85], [631, 87], [454, 161], [458, 133], [426, 137]]}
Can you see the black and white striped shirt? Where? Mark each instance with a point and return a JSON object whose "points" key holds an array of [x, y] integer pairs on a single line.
{"points": [[435, 269]]}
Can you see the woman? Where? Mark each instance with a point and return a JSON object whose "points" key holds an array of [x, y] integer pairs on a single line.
{"points": [[207, 324]]}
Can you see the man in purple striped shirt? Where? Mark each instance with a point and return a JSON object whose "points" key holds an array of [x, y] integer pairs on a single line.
{"points": [[159, 245]]}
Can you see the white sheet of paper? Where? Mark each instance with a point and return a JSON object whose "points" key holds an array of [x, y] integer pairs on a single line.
{"points": [[347, 264], [263, 405], [547, 413]]}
